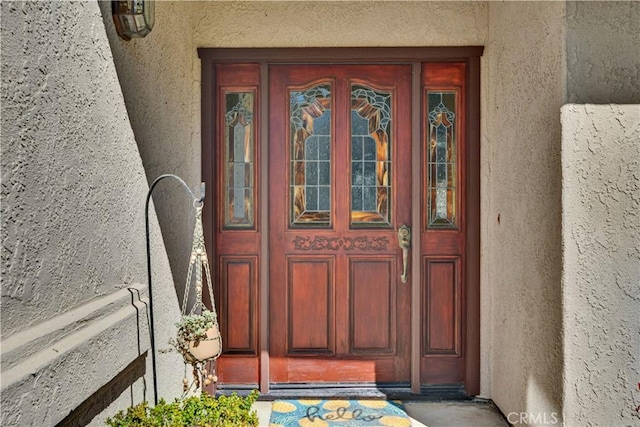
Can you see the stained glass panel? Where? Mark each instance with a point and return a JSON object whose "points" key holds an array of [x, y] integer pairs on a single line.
{"points": [[239, 157], [310, 121], [441, 161], [370, 156]]}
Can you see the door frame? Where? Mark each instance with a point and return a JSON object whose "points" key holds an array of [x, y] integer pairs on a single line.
{"points": [[414, 56]]}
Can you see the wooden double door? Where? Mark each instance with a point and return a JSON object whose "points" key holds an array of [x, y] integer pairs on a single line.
{"points": [[340, 230]]}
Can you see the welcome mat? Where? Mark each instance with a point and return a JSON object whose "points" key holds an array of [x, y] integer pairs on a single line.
{"points": [[333, 413]]}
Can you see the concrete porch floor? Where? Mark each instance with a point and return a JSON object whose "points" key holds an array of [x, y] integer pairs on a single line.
{"points": [[431, 414]]}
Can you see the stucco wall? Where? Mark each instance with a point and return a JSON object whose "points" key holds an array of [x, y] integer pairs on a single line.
{"points": [[601, 279], [603, 52], [524, 75], [158, 79], [344, 23], [523, 86], [73, 188], [73, 250]]}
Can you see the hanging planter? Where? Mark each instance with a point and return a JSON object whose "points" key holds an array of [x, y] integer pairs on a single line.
{"points": [[198, 336]]}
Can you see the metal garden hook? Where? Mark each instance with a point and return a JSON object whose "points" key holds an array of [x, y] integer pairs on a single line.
{"points": [[196, 201]]}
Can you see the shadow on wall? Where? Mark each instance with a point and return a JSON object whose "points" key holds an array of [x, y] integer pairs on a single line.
{"points": [[161, 126], [108, 393]]}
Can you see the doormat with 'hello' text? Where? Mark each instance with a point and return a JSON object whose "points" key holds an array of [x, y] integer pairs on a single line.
{"points": [[345, 413]]}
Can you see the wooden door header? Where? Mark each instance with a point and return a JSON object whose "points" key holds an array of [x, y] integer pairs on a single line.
{"points": [[340, 54]]}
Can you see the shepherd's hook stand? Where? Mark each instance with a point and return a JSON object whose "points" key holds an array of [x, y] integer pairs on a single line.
{"points": [[196, 201]]}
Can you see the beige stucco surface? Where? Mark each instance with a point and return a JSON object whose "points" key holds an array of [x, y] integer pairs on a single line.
{"points": [[341, 23], [159, 77], [73, 248], [601, 256], [86, 117], [603, 52], [523, 77]]}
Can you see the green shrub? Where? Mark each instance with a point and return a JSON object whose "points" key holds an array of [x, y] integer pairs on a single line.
{"points": [[196, 411]]}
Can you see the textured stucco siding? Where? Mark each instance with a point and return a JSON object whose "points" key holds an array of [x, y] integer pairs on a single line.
{"points": [[603, 52], [523, 76], [73, 249], [601, 278], [75, 140], [159, 77], [342, 23]]}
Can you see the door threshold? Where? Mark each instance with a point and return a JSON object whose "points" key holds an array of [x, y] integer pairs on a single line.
{"points": [[394, 391]]}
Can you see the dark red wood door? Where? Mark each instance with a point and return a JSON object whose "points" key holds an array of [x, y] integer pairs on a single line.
{"points": [[340, 185], [318, 168]]}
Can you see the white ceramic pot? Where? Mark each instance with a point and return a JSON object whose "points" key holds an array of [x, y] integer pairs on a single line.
{"points": [[207, 348]]}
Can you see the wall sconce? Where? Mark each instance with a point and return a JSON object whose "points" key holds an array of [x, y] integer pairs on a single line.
{"points": [[133, 18]]}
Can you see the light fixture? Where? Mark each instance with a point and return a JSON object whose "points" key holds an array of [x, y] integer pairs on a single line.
{"points": [[133, 18]]}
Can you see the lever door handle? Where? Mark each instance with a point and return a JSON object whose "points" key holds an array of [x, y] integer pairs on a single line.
{"points": [[404, 241]]}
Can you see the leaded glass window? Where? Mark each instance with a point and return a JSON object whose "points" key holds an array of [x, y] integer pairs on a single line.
{"points": [[310, 122], [370, 156], [441, 161], [239, 156]]}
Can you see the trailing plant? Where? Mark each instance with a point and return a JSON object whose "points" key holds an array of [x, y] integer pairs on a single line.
{"points": [[193, 328], [195, 411], [191, 335]]}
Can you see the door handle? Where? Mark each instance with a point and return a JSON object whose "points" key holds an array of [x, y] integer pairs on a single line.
{"points": [[404, 241]]}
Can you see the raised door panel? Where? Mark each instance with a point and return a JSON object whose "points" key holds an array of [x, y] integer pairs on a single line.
{"points": [[442, 326], [239, 298], [373, 306], [310, 320]]}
